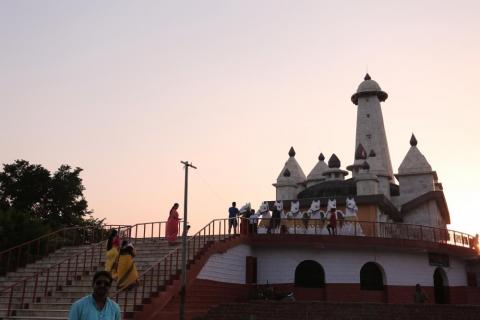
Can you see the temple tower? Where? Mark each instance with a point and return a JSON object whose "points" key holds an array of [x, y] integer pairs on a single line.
{"points": [[291, 179], [371, 132]]}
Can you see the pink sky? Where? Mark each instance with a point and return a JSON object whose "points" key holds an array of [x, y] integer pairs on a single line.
{"points": [[126, 90]]}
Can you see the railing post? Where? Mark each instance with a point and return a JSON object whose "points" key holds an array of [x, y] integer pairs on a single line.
{"points": [[10, 302], [46, 282], [23, 294], [34, 288]]}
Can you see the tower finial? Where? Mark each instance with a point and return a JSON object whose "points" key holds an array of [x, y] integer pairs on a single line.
{"points": [[334, 162], [367, 77], [321, 157], [413, 141], [291, 153]]}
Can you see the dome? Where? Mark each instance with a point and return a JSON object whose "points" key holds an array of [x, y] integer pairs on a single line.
{"points": [[369, 87]]}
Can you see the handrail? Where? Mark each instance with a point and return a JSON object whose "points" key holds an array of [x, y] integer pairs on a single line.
{"points": [[153, 276], [130, 232], [11, 259], [164, 271], [347, 227]]}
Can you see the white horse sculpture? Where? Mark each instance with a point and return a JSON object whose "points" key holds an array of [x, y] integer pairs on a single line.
{"points": [[245, 208], [317, 217], [264, 213], [349, 226], [294, 210], [331, 204], [279, 206], [351, 208]]}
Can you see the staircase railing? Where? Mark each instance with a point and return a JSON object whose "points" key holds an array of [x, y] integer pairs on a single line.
{"points": [[73, 267], [30, 251], [163, 272]]}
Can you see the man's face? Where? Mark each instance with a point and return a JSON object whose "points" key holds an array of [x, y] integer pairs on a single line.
{"points": [[101, 286]]}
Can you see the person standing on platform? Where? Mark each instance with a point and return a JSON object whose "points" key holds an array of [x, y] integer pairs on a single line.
{"points": [[232, 218], [332, 224], [420, 296], [171, 230]]}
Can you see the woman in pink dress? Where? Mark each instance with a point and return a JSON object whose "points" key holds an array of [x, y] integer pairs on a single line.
{"points": [[171, 231]]}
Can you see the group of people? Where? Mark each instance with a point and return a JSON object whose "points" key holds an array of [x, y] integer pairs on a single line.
{"points": [[249, 225], [119, 267], [119, 262]]}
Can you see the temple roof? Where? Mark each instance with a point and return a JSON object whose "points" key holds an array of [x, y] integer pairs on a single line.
{"points": [[319, 169], [369, 87], [414, 162], [291, 173]]}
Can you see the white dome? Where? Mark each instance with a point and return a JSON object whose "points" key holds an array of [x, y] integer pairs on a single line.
{"points": [[369, 87]]}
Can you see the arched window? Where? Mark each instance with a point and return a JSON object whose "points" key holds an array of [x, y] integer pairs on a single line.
{"points": [[371, 277], [440, 286], [309, 274]]}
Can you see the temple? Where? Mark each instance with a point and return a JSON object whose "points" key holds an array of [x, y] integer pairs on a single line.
{"points": [[327, 241]]}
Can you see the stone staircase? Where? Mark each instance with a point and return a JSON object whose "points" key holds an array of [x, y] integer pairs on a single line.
{"points": [[33, 300]]}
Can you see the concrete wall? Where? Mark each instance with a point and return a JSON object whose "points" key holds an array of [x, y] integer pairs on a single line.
{"points": [[277, 265], [414, 186], [428, 214], [227, 267]]}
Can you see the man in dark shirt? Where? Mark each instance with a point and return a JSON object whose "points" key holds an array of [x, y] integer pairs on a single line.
{"points": [[232, 217]]}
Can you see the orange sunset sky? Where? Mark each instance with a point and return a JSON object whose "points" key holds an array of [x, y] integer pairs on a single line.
{"points": [[128, 89]]}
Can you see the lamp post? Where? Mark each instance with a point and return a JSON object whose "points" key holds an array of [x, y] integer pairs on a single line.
{"points": [[183, 287]]}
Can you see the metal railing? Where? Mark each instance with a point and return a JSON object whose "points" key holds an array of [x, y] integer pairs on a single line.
{"points": [[52, 278], [167, 269], [33, 250], [346, 227], [162, 273]]}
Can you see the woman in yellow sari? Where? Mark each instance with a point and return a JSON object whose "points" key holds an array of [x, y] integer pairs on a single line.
{"points": [[127, 275], [113, 243]]}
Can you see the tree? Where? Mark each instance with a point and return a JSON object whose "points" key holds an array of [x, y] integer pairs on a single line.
{"points": [[23, 187], [65, 201], [31, 189]]}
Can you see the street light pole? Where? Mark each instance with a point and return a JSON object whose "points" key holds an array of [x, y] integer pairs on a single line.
{"points": [[184, 243]]}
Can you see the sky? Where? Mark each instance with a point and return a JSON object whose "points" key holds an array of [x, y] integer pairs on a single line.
{"points": [[128, 89]]}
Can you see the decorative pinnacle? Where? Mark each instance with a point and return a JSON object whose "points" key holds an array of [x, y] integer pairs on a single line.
{"points": [[413, 141], [334, 162], [367, 77], [360, 153], [321, 157], [291, 153]]}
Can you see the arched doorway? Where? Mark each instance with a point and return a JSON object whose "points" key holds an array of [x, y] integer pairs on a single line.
{"points": [[440, 286], [309, 274], [371, 277]]}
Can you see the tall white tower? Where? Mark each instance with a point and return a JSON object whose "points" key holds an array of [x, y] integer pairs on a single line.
{"points": [[371, 131]]}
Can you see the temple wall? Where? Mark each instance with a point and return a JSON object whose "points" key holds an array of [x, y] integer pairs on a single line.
{"points": [[428, 214], [277, 265], [413, 186], [227, 267]]}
